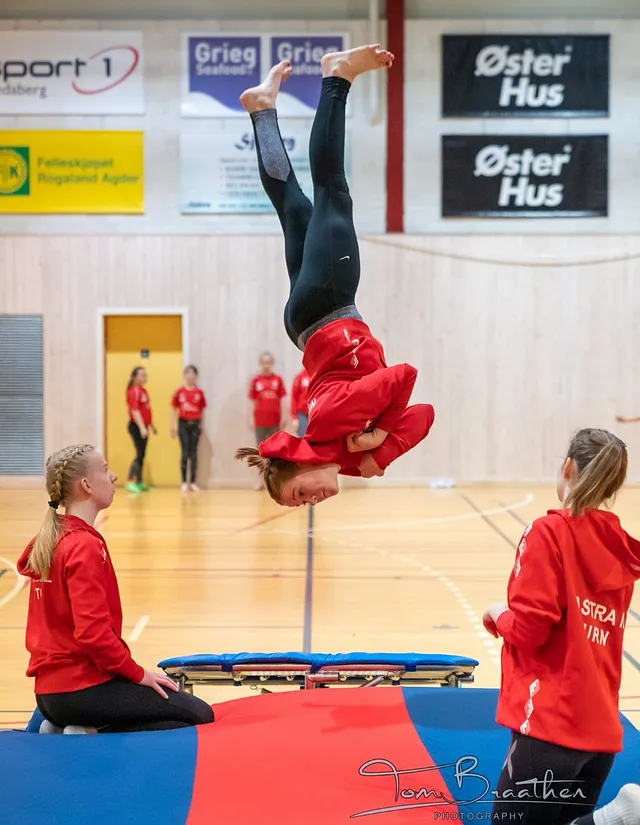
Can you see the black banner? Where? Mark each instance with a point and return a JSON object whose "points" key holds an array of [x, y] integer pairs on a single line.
{"points": [[525, 76], [514, 176]]}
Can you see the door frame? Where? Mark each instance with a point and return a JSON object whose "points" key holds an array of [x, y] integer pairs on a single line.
{"points": [[103, 314]]}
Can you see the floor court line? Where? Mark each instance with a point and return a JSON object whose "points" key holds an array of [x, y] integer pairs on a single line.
{"points": [[17, 587], [346, 528], [308, 587], [516, 516], [399, 525], [485, 517], [140, 625], [631, 659], [472, 615], [262, 521]]}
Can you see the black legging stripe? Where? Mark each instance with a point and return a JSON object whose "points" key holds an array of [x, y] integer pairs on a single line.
{"points": [[321, 248], [189, 432], [577, 779], [140, 443], [119, 706]]}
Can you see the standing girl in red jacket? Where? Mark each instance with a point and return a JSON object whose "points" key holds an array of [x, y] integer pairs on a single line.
{"points": [[563, 629], [189, 403], [300, 403], [140, 423], [359, 421], [84, 673]]}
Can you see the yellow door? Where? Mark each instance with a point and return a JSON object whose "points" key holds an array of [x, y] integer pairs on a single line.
{"points": [[153, 342]]}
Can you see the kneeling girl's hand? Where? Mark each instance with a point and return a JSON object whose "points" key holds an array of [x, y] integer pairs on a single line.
{"points": [[156, 681]]}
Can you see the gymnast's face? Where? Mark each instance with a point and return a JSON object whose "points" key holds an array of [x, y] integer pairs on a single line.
{"points": [[310, 485]]}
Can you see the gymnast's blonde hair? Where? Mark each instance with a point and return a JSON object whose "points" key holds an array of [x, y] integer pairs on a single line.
{"points": [[274, 471], [63, 469]]}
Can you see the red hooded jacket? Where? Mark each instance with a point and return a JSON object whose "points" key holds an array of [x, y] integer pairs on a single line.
{"points": [[352, 389], [568, 594], [74, 623]]}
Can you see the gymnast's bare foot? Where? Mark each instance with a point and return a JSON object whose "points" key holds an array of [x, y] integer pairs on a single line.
{"points": [[353, 62], [264, 96]]}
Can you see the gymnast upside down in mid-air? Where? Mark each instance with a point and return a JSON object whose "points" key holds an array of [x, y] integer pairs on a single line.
{"points": [[359, 421]]}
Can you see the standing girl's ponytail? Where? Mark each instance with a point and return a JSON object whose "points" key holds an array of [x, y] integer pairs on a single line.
{"points": [[601, 461]]}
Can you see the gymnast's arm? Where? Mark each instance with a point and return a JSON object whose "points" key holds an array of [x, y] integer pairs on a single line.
{"points": [[413, 427], [383, 395]]}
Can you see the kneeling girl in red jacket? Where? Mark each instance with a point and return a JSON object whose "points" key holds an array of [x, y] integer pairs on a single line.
{"points": [[562, 633], [359, 421], [84, 672]]}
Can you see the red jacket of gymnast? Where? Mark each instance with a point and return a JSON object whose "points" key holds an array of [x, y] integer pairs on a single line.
{"points": [[352, 389], [74, 623], [568, 595]]}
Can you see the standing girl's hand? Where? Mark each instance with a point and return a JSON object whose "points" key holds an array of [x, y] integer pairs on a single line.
{"points": [[490, 625], [491, 616], [174, 432], [156, 681], [144, 432]]}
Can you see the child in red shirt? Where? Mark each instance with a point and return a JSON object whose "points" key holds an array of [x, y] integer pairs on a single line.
{"points": [[140, 424], [299, 403], [359, 421], [189, 403], [563, 629], [266, 391], [84, 673]]}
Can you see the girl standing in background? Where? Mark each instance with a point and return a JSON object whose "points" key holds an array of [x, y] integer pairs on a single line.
{"points": [[140, 423], [188, 403], [299, 403], [266, 391]]}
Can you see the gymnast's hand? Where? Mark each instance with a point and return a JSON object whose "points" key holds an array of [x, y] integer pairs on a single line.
{"points": [[156, 681], [365, 441], [368, 467]]}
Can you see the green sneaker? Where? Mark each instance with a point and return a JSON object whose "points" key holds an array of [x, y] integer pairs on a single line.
{"points": [[133, 488], [144, 488]]}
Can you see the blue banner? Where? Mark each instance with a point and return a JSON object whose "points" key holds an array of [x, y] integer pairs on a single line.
{"points": [[219, 69], [299, 95]]}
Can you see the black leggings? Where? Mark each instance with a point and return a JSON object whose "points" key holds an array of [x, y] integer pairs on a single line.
{"points": [[120, 706], [579, 775], [321, 248], [140, 443], [189, 432]]}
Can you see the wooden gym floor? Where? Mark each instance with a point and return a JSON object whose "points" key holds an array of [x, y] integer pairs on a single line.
{"points": [[220, 571]]}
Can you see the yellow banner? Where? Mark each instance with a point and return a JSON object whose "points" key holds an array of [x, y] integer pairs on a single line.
{"points": [[72, 172]]}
